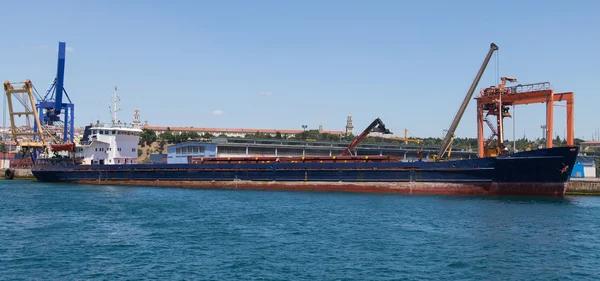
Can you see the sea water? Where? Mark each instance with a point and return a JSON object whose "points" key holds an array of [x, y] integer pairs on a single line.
{"points": [[85, 232]]}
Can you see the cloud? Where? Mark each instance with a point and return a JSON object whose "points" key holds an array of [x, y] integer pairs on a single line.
{"points": [[265, 94], [217, 112]]}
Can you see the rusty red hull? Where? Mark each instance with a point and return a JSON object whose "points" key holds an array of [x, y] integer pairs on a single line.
{"points": [[546, 189]]}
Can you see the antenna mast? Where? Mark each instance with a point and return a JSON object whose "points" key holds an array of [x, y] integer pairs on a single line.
{"points": [[115, 109]]}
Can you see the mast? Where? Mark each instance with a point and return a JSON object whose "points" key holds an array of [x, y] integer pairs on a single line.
{"points": [[115, 109]]}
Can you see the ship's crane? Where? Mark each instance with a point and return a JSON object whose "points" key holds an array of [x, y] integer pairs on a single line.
{"points": [[51, 106], [450, 135], [376, 126]]}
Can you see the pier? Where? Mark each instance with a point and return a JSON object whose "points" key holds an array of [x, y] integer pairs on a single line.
{"points": [[584, 186]]}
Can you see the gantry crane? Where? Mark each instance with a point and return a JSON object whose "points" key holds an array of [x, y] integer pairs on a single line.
{"points": [[495, 101], [450, 134], [36, 135], [51, 106], [33, 141], [376, 126]]}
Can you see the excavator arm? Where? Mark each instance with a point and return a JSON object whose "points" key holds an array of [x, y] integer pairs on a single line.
{"points": [[376, 126]]}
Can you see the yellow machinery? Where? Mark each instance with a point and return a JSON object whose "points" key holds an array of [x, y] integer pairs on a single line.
{"points": [[405, 139], [24, 135]]}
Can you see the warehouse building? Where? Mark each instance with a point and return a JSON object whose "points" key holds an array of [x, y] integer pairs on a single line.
{"points": [[179, 153], [235, 147], [585, 167]]}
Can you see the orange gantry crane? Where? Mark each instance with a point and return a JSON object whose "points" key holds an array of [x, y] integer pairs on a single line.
{"points": [[495, 101]]}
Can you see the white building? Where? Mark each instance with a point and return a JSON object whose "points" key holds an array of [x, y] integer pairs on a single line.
{"points": [[233, 132], [110, 145]]}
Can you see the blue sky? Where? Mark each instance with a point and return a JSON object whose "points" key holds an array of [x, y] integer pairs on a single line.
{"points": [[282, 64]]}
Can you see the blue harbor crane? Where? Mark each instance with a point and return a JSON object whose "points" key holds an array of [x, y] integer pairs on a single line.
{"points": [[52, 106]]}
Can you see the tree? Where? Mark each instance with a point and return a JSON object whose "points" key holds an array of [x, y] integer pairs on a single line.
{"points": [[167, 136], [278, 135], [207, 136], [257, 135], [3, 148], [147, 137], [310, 134], [193, 135], [179, 138], [557, 141], [161, 145]]}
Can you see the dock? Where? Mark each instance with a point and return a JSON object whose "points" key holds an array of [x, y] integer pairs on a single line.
{"points": [[584, 186], [21, 174]]}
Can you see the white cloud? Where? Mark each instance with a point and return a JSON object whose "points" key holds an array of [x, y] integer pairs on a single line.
{"points": [[265, 94], [218, 112]]}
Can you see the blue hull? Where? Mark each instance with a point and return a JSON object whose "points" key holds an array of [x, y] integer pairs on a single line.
{"points": [[536, 172]]}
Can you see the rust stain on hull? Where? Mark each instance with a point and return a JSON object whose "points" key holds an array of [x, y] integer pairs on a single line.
{"points": [[477, 188]]}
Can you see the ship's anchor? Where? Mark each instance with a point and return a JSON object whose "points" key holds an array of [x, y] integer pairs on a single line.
{"points": [[564, 168]]}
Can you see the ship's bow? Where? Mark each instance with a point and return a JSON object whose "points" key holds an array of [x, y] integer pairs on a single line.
{"points": [[537, 172]]}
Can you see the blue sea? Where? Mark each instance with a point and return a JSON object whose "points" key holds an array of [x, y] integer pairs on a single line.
{"points": [[85, 232]]}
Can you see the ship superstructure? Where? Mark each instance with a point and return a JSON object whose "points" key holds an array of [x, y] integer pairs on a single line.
{"points": [[109, 144]]}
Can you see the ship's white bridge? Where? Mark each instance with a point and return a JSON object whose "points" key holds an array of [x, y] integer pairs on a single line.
{"points": [[109, 144]]}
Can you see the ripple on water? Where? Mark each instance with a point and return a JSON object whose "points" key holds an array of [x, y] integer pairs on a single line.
{"points": [[55, 231]]}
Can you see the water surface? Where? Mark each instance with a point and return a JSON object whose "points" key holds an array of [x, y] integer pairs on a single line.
{"points": [[68, 231]]}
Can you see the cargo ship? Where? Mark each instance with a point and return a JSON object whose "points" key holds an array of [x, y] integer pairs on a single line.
{"points": [[535, 172], [107, 155]]}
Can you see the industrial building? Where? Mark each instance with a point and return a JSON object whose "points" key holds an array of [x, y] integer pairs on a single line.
{"points": [[179, 153], [233, 147], [585, 167]]}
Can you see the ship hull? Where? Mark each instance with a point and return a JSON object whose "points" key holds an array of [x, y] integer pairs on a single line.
{"points": [[537, 172]]}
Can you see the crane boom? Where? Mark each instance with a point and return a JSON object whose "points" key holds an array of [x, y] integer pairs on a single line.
{"points": [[376, 126], [450, 134], [60, 77]]}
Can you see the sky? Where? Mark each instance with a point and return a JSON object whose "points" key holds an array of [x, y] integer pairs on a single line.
{"points": [[284, 64]]}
